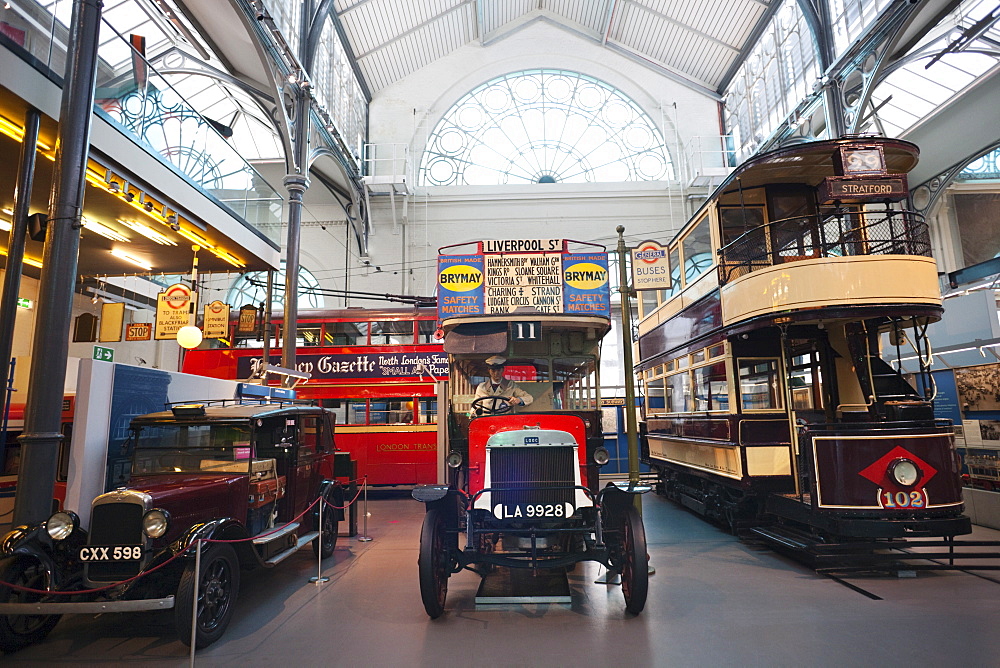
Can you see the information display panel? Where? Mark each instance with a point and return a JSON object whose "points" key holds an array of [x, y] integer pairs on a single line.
{"points": [[523, 276]]}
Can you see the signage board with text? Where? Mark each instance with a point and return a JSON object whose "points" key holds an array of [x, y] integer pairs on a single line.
{"points": [[523, 276]]}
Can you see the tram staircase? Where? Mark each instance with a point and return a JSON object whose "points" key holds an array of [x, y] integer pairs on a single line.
{"points": [[896, 398], [893, 555]]}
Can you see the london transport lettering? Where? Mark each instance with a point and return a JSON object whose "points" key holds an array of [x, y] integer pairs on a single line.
{"points": [[366, 365], [501, 280]]}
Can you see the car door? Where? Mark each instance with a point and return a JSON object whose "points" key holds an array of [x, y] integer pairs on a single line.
{"points": [[306, 474]]}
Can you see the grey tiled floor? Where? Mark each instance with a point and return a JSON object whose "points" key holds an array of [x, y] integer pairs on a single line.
{"points": [[714, 601]]}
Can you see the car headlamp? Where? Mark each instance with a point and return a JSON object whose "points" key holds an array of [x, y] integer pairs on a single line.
{"points": [[904, 472], [454, 459], [154, 523], [601, 456], [62, 525]]}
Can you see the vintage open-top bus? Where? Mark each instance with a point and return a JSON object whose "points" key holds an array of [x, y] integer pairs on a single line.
{"points": [[523, 322]]}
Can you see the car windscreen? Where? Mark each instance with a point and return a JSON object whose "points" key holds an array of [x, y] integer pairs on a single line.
{"points": [[191, 448]]}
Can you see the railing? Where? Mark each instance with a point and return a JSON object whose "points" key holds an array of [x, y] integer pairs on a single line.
{"points": [[135, 97], [837, 234]]}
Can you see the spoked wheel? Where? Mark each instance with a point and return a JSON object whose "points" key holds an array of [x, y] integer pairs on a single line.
{"points": [[433, 563], [17, 631], [325, 543], [634, 563], [218, 585]]}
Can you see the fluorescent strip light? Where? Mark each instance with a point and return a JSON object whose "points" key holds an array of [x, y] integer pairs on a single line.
{"points": [[128, 258], [195, 238], [25, 259], [104, 231], [11, 129], [226, 256], [147, 232]]}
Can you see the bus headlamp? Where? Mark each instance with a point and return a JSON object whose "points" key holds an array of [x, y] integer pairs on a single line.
{"points": [[904, 472], [154, 523], [62, 525], [454, 459], [601, 456]]}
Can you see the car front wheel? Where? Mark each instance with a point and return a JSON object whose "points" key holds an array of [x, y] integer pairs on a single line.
{"points": [[18, 631], [218, 585]]}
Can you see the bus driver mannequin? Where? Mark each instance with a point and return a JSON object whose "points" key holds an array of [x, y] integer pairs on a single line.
{"points": [[498, 386]]}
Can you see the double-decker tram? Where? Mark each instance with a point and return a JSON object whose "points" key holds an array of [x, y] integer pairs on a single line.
{"points": [[376, 368], [523, 322], [765, 356]]}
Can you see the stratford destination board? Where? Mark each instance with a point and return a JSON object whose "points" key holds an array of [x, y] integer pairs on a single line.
{"points": [[523, 276]]}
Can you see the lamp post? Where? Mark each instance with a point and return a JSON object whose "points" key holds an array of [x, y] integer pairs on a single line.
{"points": [[626, 304], [189, 336]]}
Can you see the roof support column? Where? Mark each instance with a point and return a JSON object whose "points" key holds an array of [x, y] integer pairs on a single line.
{"points": [[50, 340], [817, 16]]}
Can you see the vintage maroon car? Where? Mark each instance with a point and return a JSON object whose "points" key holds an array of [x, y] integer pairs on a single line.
{"points": [[216, 470]]}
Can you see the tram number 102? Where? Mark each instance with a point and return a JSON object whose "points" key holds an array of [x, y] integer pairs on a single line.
{"points": [[892, 500]]}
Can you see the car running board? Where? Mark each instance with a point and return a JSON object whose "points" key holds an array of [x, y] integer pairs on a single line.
{"points": [[267, 538], [278, 558]]}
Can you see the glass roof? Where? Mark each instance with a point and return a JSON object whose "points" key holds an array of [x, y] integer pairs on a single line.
{"points": [[970, 39]]}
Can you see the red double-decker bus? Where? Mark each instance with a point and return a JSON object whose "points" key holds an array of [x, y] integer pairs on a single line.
{"points": [[376, 368]]}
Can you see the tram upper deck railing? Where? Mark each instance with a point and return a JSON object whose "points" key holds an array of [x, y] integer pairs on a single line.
{"points": [[827, 234]]}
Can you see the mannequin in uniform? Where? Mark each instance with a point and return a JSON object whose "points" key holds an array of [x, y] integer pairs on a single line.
{"points": [[498, 386]]}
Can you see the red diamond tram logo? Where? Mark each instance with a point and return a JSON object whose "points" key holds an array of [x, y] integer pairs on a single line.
{"points": [[878, 471]]}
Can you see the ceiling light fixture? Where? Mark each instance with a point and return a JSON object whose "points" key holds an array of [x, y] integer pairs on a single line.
{"points": [[104, 231], [129, 258], [147, 232]]}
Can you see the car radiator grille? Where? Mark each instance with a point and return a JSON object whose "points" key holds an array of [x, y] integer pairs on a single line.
{"points": [[115, 524], [528, 474]]}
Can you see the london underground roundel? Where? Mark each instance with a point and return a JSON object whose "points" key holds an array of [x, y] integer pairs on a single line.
{"points": [[460, 278], [585, 275]]}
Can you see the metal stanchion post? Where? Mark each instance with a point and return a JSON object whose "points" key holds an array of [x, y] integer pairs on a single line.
{"points": [[194, 600], [364, 538], [319, 579]]}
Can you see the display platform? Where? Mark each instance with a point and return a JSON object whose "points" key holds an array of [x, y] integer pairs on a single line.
{"points": [[524, 585]]}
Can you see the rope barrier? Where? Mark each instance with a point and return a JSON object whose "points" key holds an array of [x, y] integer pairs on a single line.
{"points": [[181, 553]]}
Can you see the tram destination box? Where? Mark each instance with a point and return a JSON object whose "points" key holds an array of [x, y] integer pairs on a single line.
{"points": [[855, 189]]}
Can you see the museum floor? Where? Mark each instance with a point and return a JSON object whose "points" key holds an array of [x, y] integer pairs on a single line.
{"points": [[714, 601]]}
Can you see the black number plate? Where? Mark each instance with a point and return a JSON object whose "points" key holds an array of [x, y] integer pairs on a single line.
{"points": [[111, 553]]}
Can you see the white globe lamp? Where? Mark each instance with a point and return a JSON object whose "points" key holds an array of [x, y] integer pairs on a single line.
{"points": [[189, 337]]}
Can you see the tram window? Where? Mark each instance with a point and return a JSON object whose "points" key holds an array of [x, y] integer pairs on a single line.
{"points": [[804, 380], [697, 356], [711, 388], [648, 302], [736, 221], [759, 384], [678, 388], [425, 331], [428, 411], [655, 402], [392, 332], [675, 271], [697, 246], [346, 333], [716, 351]]}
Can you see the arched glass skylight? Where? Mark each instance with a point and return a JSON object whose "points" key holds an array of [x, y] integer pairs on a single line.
{"points": [[251, 288], [544, 126]]}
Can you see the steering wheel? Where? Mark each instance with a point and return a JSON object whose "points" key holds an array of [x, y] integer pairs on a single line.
{"points": [[492, 405]]}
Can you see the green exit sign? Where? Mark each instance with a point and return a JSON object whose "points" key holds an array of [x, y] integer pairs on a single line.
{"points": [[102, 354], [24, 302]]}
